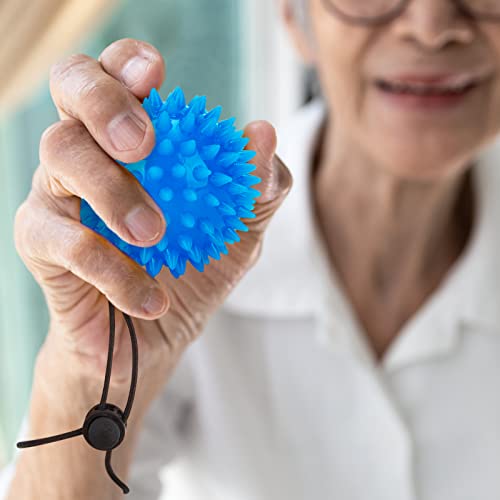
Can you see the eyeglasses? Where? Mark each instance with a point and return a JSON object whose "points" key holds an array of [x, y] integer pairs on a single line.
{"points": [[371, 12]]}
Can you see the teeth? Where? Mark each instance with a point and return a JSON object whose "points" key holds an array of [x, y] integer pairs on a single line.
{"points": [[424, 89]]}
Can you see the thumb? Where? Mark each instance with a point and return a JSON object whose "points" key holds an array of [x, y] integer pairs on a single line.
{"points": [[276, 179]]}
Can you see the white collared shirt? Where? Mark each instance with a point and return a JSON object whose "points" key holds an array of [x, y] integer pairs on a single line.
{"points": [[282, 398]]}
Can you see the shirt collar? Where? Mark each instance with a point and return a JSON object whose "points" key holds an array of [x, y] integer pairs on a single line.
{"points": [[476, 274], [292, 277], [468, 296]]}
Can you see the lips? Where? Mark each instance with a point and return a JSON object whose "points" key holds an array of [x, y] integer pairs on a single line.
{"points": [[437, 85], [424, 90]]}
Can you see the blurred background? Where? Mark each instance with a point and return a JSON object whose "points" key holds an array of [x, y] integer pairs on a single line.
{"points": [[233, 51]]}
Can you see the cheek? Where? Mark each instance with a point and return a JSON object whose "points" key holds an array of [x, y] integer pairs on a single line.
{"points": [[491, 32], [427, 147], [340, 67], [341, 50]]}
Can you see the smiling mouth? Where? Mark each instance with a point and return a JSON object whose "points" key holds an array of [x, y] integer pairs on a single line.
{"points": [[459, 86]]}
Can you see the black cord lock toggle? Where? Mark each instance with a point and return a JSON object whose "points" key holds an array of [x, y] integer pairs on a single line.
{"points": [[105, 424], [104, 427]]}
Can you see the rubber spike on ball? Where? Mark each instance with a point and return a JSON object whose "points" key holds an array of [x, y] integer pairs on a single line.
{"points": [[199, 175]]}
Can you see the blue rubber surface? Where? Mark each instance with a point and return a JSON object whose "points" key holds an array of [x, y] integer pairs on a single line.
{"points": [[198, 174]]}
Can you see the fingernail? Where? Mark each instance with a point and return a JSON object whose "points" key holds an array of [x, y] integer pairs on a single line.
{"points": [[155, 302], [134, 70], [143, 223], [126, 131]]}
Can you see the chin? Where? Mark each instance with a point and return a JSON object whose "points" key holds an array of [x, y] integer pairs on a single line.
{"points": [[419, 162]]}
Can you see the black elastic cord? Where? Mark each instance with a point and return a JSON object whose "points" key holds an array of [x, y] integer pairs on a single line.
{"points": [[105, 392], [133, 381], [111, 348], [135, 367], [109, 364], [51, 439], [112, 475]]}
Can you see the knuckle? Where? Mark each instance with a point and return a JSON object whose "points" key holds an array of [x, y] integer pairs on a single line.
{"points": [[92, 256], [50, 138], [101, 100], [40, 187], [61, 70], [83, 250], [57, 138], [38, 181], [92, 91], [129, 282], [27, 235]]}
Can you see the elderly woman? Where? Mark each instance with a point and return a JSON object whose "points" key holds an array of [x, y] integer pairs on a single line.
{"points": [[359, 356]]}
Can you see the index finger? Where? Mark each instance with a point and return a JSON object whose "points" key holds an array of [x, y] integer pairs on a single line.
{"points": [[82, 89]]}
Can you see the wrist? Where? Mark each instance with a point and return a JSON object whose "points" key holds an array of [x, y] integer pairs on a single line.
{"points": [[61, 400], [68, 381], [67, 385]]}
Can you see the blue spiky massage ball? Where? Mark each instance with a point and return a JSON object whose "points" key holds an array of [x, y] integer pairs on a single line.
{"points": [[198, 174]]}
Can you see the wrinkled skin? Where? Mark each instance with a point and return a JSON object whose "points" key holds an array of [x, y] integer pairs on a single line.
{"points": [[78, 269]]}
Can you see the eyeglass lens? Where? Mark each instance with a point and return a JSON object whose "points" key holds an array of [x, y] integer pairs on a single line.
{"points": [[371, 9]]}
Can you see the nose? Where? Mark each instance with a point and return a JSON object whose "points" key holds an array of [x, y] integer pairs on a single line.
{"points": [[434, 24]]}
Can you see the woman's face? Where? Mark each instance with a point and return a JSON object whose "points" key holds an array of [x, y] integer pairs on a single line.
{"points": [[396, 91]]}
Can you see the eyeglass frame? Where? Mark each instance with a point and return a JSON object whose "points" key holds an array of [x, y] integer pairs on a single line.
{"points": [[398, 10]]}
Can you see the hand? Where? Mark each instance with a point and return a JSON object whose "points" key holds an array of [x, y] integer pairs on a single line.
{"points": [[79, 271]]}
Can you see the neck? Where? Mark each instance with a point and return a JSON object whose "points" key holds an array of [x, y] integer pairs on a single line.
{"points": [[390, 239]]}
